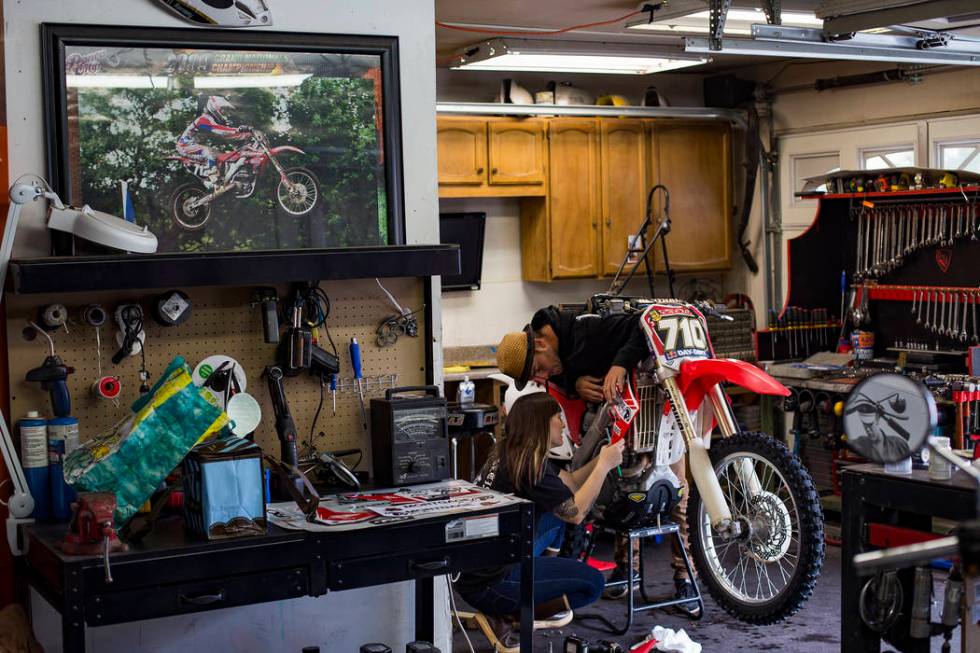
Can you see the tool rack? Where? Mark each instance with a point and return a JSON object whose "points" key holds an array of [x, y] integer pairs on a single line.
{"points": [[931, 241]]}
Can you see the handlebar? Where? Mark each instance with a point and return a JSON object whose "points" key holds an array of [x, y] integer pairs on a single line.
{"points": [[719, 311], [905, 556]]}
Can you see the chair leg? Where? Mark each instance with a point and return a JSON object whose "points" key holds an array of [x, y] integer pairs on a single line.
{"points": [[690, 575]]}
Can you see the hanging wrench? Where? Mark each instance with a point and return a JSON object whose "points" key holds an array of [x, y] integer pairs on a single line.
{"points": [[943, 317], [859, 264], [975, 299], [913, 304], [927, 325], [918, 317], [954, 326], [963, 336]]}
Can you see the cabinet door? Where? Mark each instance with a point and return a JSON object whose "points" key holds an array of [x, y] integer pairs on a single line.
{"points": [[462, 150], [624, 179], [573, 197], [694, 162], [517, 152]]}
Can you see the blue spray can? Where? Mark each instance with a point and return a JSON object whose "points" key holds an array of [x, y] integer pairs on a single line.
{"points": [[33, 431], [62, 440]]}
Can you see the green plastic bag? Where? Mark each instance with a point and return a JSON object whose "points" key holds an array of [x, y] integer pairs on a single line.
{"points": [[134, 456]]}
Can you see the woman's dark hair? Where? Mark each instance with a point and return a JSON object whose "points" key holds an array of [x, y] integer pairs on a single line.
{"points": [[527, 438]]}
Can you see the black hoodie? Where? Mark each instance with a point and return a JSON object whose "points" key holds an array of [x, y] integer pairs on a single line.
{"points": [[588, 345]]}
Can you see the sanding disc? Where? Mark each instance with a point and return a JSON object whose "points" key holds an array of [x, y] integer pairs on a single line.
{"points": [[245, 414]]}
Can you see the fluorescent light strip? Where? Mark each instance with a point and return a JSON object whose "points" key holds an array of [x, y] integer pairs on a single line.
{"points": [[115, 81], [833, 51], [527, 62], [738, 22], [250, 81]]}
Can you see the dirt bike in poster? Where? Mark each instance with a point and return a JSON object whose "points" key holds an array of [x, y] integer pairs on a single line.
{"points": [[297, 190]]}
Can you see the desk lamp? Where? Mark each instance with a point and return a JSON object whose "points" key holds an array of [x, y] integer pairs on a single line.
{"points": [[98, 227]]}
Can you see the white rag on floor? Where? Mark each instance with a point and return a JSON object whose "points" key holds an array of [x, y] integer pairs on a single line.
{"points": [[674, 641]]}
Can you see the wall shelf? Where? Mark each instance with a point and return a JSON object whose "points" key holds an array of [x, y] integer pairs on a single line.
{"points": [[174, 270]]}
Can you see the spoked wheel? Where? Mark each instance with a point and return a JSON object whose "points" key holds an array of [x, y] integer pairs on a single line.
{"points": [[298, 192], [767, 574], [184, 212]]}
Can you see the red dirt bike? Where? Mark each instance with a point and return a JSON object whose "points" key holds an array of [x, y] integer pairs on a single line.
{"points": [[754, 516], [297, 191]]}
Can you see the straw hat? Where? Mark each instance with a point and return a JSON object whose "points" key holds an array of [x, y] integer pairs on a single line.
{"points": [[515, 353]]}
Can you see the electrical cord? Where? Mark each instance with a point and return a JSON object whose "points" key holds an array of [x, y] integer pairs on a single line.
{"points": [[563, 30], [316, 417], [452, 604]]}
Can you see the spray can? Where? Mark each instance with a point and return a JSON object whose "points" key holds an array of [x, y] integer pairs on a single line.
{"points": [[62, 440], [466, 392], [33, 431]]}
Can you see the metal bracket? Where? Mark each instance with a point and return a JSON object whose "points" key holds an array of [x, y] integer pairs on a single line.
{"points": [[717, 14], [773, 11]]}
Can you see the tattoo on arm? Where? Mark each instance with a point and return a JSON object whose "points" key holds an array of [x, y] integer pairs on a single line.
{"points": [[567, 509]]}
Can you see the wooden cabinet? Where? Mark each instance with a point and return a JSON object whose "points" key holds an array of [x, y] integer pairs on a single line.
{"points": [[462, 147], [517, 153], [625, 180], [693, 160], [584, 184], [491, 157], [574, 198]]}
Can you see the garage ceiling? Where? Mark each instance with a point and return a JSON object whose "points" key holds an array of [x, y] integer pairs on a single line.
{"points": [[556, 14]]}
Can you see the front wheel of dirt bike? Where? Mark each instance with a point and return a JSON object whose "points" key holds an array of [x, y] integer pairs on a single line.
{"points": [[298, 192], [767, 575], [188, 217]]}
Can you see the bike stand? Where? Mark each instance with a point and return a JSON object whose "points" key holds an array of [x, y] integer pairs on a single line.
{"points": [[670, 529]]}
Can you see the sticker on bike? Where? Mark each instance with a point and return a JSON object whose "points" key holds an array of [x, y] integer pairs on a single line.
{"points": [[676, 332]]}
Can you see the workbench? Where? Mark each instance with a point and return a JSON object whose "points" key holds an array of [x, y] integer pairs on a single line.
{"points": [[871, 495], [172, 573]]}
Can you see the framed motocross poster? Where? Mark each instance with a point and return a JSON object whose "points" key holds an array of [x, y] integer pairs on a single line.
{"points": [[228, 141]]}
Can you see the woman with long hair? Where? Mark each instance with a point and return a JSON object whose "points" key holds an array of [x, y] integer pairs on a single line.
{"points": [[519, 465]]}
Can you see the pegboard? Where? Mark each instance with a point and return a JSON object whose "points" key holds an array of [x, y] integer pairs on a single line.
{"points": [[222, 321]]}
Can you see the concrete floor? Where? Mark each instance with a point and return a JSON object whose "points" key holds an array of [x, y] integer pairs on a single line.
{"points": [[815, 629]]}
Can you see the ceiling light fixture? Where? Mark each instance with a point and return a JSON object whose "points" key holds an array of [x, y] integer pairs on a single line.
{"points": [[793, 42], [738, 22], [571, 57]]}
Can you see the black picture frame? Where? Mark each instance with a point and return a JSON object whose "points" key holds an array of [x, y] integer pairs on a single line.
{"points": [[56, 37]]}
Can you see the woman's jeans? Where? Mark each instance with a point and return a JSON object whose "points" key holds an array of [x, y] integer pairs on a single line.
{"points": [[553, 577]]}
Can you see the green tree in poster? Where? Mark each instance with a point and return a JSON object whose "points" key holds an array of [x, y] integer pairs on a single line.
{"points": [[128, 134]]}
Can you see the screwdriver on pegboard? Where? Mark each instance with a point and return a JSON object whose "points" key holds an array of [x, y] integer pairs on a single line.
{"points": [[355, 361]]}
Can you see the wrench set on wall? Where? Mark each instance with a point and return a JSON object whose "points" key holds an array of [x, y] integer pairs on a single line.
{"points": [[888, 234], [948, 312]]}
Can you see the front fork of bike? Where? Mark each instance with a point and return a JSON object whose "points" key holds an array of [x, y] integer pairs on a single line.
{"points": [[705, 478]]}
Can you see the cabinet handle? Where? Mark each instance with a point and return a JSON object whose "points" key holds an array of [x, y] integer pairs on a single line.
{"points": [[203, 599], [493, 171], [608, 222], [479, 171]]}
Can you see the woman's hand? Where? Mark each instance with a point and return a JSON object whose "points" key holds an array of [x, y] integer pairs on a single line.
{"points": [[589, 388], [614, 383], [611, 455]]}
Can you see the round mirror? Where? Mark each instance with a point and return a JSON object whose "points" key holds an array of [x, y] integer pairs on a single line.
{"points": [[888, 416]]}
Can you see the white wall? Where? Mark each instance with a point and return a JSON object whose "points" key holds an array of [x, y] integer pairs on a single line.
{"points": [[505, 302], [389, 611]]}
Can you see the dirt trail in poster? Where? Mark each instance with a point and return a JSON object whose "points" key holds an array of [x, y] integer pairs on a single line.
{"points": [[287, 154]]}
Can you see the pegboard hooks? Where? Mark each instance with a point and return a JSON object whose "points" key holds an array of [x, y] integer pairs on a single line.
{"points": [[368, 383]]}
